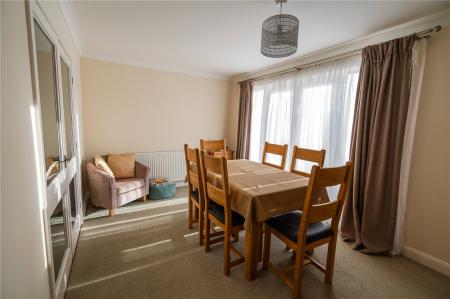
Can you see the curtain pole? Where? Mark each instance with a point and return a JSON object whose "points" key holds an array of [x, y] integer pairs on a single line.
{"points": [[421, 34]]}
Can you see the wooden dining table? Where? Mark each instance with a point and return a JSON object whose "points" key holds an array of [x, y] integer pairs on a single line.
{"points": [[259, 192]]}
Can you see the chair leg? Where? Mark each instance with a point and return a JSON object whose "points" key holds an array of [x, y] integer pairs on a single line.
{"points": [[144, 198], [196, 212], [226, 251], [298, 272], [201, 224], [331, 254], [112, 212], [266, 253], [190, 204], [207, 232]]}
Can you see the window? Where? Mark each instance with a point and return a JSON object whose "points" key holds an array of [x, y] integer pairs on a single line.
{"points": [[312, 108]]}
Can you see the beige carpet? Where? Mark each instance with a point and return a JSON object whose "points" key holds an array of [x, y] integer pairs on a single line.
{"points": [[146, 251]]}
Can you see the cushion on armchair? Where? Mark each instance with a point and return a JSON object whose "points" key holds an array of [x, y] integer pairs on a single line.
{"points": [[101, 164], [122, 165]]}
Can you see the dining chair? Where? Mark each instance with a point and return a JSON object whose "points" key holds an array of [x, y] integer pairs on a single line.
{"points": [[213, 146], [305, 154], [310, 228], [218, 209], [195, 184], [315, 156], [275, 149]]}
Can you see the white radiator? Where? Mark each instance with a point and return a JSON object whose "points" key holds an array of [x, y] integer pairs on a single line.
{"points": [[170, 165]]}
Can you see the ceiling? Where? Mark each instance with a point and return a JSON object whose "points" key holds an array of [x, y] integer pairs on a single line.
{"points": [[222, 38]]}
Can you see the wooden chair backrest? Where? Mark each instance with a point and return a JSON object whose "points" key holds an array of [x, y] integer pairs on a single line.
{"points": [[215, 176], [275, 149], [322, 178], [193, 169], [306, 155], [211, 146]]}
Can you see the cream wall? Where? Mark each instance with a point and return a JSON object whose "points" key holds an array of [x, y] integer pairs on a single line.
{"points": [[427, 227], [133, 109], [24, 271]]}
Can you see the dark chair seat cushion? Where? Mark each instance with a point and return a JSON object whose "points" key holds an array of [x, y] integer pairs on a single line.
{"points": [[195, 196], [219, 212], [288, 224]]}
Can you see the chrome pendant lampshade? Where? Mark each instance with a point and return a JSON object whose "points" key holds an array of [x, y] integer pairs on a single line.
{"points": [[279, 34]]}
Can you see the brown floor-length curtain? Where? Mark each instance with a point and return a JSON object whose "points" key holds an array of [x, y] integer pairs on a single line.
{"points": [[369, 216], [244, 121]]}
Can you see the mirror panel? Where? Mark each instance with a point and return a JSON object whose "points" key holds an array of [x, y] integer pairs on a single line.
{"points": [[67, 105], [45, 53], [58, 236]]}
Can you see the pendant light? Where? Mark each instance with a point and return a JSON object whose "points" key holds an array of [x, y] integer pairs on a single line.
{"points": [[279, 34]]}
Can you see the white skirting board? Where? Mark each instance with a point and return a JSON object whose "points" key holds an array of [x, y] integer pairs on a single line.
{"points": [[427, 260]]}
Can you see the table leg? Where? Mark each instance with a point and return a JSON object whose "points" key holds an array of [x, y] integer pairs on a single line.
{"points": [[260, 243], [252, 249]]}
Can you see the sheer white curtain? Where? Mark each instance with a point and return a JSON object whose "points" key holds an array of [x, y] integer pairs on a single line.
{"points": [[312, 108]]}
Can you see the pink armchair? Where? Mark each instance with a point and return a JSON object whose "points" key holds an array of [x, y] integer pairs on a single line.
{"points": [[110, 193]]}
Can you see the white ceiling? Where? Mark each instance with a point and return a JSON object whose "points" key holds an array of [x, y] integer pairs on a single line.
{"points": [[222, 38]]}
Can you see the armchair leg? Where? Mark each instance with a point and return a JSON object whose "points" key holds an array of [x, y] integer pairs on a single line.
{"points": [[144, 198], [112, 212]]}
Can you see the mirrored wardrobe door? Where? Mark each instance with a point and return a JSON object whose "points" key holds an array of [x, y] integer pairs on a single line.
{"points": [[57, 128], [70, 146], [45, 55]]}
